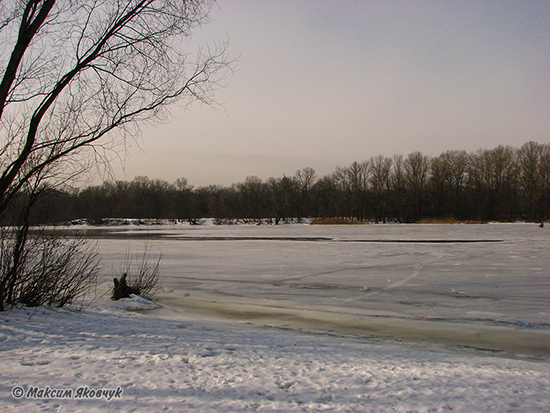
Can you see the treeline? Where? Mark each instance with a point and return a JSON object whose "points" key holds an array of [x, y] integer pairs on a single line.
{"points": [[501, 184]]}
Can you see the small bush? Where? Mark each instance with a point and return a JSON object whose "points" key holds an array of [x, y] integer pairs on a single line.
{"points": [[45, 268], [145, 280]]}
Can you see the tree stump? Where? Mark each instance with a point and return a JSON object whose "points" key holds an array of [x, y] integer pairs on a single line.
{"points": [[122, 289]]}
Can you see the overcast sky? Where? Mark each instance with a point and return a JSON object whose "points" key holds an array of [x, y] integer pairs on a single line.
{"points": [[324, 83]]}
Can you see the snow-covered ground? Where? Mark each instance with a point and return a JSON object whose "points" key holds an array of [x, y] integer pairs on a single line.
{"points": [[174, 362], [315, 319]]}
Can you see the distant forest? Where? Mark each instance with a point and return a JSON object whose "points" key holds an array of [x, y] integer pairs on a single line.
{"points": [[500, 184]]}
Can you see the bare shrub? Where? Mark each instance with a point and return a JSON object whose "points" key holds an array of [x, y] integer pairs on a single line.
{"points": [[336, 221], [144, 280], [44, 268]]}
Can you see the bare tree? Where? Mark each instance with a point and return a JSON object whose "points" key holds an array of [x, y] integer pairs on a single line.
{"points": [[305, 179], [398, 185], [75, 71], [283, 197], [417, 171], [181, 198], [353, 182], [253, 192], [531, 157], [494, 174], [380, 182], [447, 183], [459, 162]]}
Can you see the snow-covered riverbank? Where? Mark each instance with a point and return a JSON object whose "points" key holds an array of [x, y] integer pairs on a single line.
{"points": [[172, 361]]}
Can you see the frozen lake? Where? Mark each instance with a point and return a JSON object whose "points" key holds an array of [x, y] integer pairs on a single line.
{"points": [[489, 275], [349, 318]]}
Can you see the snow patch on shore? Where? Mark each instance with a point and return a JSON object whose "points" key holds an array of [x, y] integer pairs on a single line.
{"points": [[170, 361]]}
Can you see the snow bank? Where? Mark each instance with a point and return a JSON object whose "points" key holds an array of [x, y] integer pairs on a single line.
{"points": [[170, 361]]}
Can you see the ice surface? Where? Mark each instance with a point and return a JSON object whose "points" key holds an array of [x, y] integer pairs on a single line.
{"points": [[492, 273]]}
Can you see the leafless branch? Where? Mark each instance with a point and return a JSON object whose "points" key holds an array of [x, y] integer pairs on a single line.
{"points": [[81, 70]]}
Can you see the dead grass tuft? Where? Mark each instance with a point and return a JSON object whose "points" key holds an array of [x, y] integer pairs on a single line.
{"points": [[448, 220], [336, 221]]}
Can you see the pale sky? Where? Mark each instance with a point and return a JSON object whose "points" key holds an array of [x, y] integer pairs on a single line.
{"points": [[324, 83]]}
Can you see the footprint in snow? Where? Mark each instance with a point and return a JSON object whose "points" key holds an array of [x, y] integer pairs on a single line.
{"points": [[208, 354], [35, 363], [286, 385]]}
